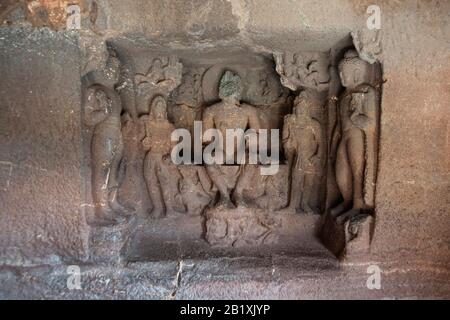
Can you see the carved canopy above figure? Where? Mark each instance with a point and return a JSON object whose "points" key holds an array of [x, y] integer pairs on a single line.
{"points": [[303, 70]]}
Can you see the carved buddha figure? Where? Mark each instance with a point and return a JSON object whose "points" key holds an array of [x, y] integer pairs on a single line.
{"points": [[359, 112], [161, 175], [304, 146], [229, 113]]}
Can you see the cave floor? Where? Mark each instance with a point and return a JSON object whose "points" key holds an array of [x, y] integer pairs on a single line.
{"points": [[181, 265], [306, 276], [164, 267]]}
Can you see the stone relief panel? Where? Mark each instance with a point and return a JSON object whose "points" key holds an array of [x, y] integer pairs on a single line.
{"points": [[145, 78], [134, 105]]}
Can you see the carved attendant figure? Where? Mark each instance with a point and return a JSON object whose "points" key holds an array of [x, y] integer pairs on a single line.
{"points": [[304, 147], [229, 114], [359, 112], [103, 110], [161, 175]]}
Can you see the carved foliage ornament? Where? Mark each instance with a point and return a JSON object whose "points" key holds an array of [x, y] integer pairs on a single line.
{"points": [[303, 70]]}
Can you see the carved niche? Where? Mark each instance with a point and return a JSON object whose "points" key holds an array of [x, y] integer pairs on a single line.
{"points": [[134, 104]]}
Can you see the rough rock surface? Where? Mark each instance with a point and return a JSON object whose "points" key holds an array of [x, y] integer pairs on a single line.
{"points": [[42, 164], [311, 276], [41, 220]]}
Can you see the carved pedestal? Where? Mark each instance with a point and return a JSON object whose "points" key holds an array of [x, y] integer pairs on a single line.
{"points": [[350, 238], [241, 226], [108, 244]]}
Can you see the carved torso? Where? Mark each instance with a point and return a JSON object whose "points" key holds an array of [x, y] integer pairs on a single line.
{"points": [[229, 116], [302, 138], [359, 102], [114, 109], [159, 134], [104, 114], [223, 116], [184, 115]]}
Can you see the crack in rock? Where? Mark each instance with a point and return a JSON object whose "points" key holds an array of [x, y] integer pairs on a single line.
{"points": [[177, 280]]}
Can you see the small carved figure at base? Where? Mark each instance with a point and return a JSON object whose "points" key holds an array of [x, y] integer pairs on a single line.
{"points": [[240, 227], [357, 232], [348, 238]]}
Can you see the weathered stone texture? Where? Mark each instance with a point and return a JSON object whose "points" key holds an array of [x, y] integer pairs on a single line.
{"points": [[43, 157], [414, 175], [41, 198]]}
